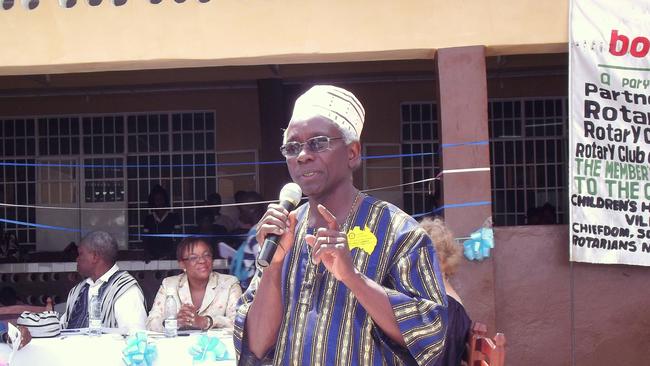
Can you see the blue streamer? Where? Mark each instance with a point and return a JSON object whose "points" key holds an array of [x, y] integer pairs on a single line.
{"points": [[392, 156], [185, 235], [23, 223], [466, 204], [113, 166], [62, 228], [482, 142]]}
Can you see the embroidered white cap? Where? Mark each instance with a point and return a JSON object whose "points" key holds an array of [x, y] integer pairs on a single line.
{"points": [[334, 103]]}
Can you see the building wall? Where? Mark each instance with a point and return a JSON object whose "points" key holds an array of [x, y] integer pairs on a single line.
{"points": [[51, 39], [554, 312], [382, 90], [233, 107]]}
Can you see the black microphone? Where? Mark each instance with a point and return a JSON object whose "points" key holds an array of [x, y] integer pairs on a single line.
{"points": [[290, 196]]}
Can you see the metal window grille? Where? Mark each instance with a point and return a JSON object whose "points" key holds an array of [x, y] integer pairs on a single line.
{"points": [[18, 141], [18, 187], [528, 158], [57, 182], [103, 135], [58, 136], [130, 152], [175, 150], [419, 136], [233, 176], [104, 180]]}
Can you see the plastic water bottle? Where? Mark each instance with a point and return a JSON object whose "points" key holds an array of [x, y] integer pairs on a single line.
{"points": [[94, 316], [171, 323]]}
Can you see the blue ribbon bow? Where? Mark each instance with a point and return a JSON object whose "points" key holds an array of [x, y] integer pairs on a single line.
{"points": [[209, 349], [138, 352], [478, 246]]}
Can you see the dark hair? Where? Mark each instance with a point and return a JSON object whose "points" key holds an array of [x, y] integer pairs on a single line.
{"points": [[189, 243], [202, 214], [251, 214], [8, 296], [240, 196], [214, 198], [158, 190]]}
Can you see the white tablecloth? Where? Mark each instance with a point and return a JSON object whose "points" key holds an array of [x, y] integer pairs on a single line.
{"points": [[106, 350]]}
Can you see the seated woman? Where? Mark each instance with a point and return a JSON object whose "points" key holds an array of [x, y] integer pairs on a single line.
{"points": [[205, 299], [449, 255]]}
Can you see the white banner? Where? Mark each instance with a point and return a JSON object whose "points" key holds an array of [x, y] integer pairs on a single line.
{"points": [[609, 131]]}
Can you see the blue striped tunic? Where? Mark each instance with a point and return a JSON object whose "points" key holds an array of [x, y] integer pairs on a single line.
{"points": [[323, 322]]}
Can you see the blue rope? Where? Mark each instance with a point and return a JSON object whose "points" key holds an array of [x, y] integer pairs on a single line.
{"points": [[482, 142], [466, 204], [23, 223], [112, 166], [61, 228], [271, 162]]}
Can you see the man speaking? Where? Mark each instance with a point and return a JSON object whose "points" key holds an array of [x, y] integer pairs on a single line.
{"points": [[354, 280]]}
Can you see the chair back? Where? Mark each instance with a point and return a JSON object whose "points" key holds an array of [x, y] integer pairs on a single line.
{"points": [[483, 350]]}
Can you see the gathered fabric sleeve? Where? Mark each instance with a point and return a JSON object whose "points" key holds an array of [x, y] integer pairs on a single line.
{"points": [[226, 320], [156, 315], [417, 295]]}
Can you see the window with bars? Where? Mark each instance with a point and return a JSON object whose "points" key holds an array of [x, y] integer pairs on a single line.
{"points": [[17, 137], [57, 182], [179, 156], [18, 188], [104, 179], [103, 135], [124, 156], [419, 138], [148, 133], [528, 159], [58, 136], [527, 155], [18, 141]]}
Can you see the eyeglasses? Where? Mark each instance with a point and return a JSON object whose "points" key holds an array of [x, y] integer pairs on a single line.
{"points": [[195, 258], [314, 145]]}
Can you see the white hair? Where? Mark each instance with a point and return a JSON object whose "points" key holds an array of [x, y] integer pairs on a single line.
{"points": [[101, 243]]}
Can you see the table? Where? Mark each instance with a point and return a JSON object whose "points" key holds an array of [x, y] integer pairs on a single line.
{"points": [[107, 349]]}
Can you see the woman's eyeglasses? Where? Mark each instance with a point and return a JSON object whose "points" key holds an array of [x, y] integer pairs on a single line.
{"points": [[195, 258], [314, 145]]}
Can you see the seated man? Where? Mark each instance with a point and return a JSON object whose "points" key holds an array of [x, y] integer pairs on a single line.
{"points": [[122, 301]]}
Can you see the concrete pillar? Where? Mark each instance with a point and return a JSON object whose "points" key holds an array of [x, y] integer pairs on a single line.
{"points": [[462, 107], [273, 119]]}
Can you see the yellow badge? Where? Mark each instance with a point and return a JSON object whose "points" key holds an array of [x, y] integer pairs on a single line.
{"points": [[363, 239]]}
